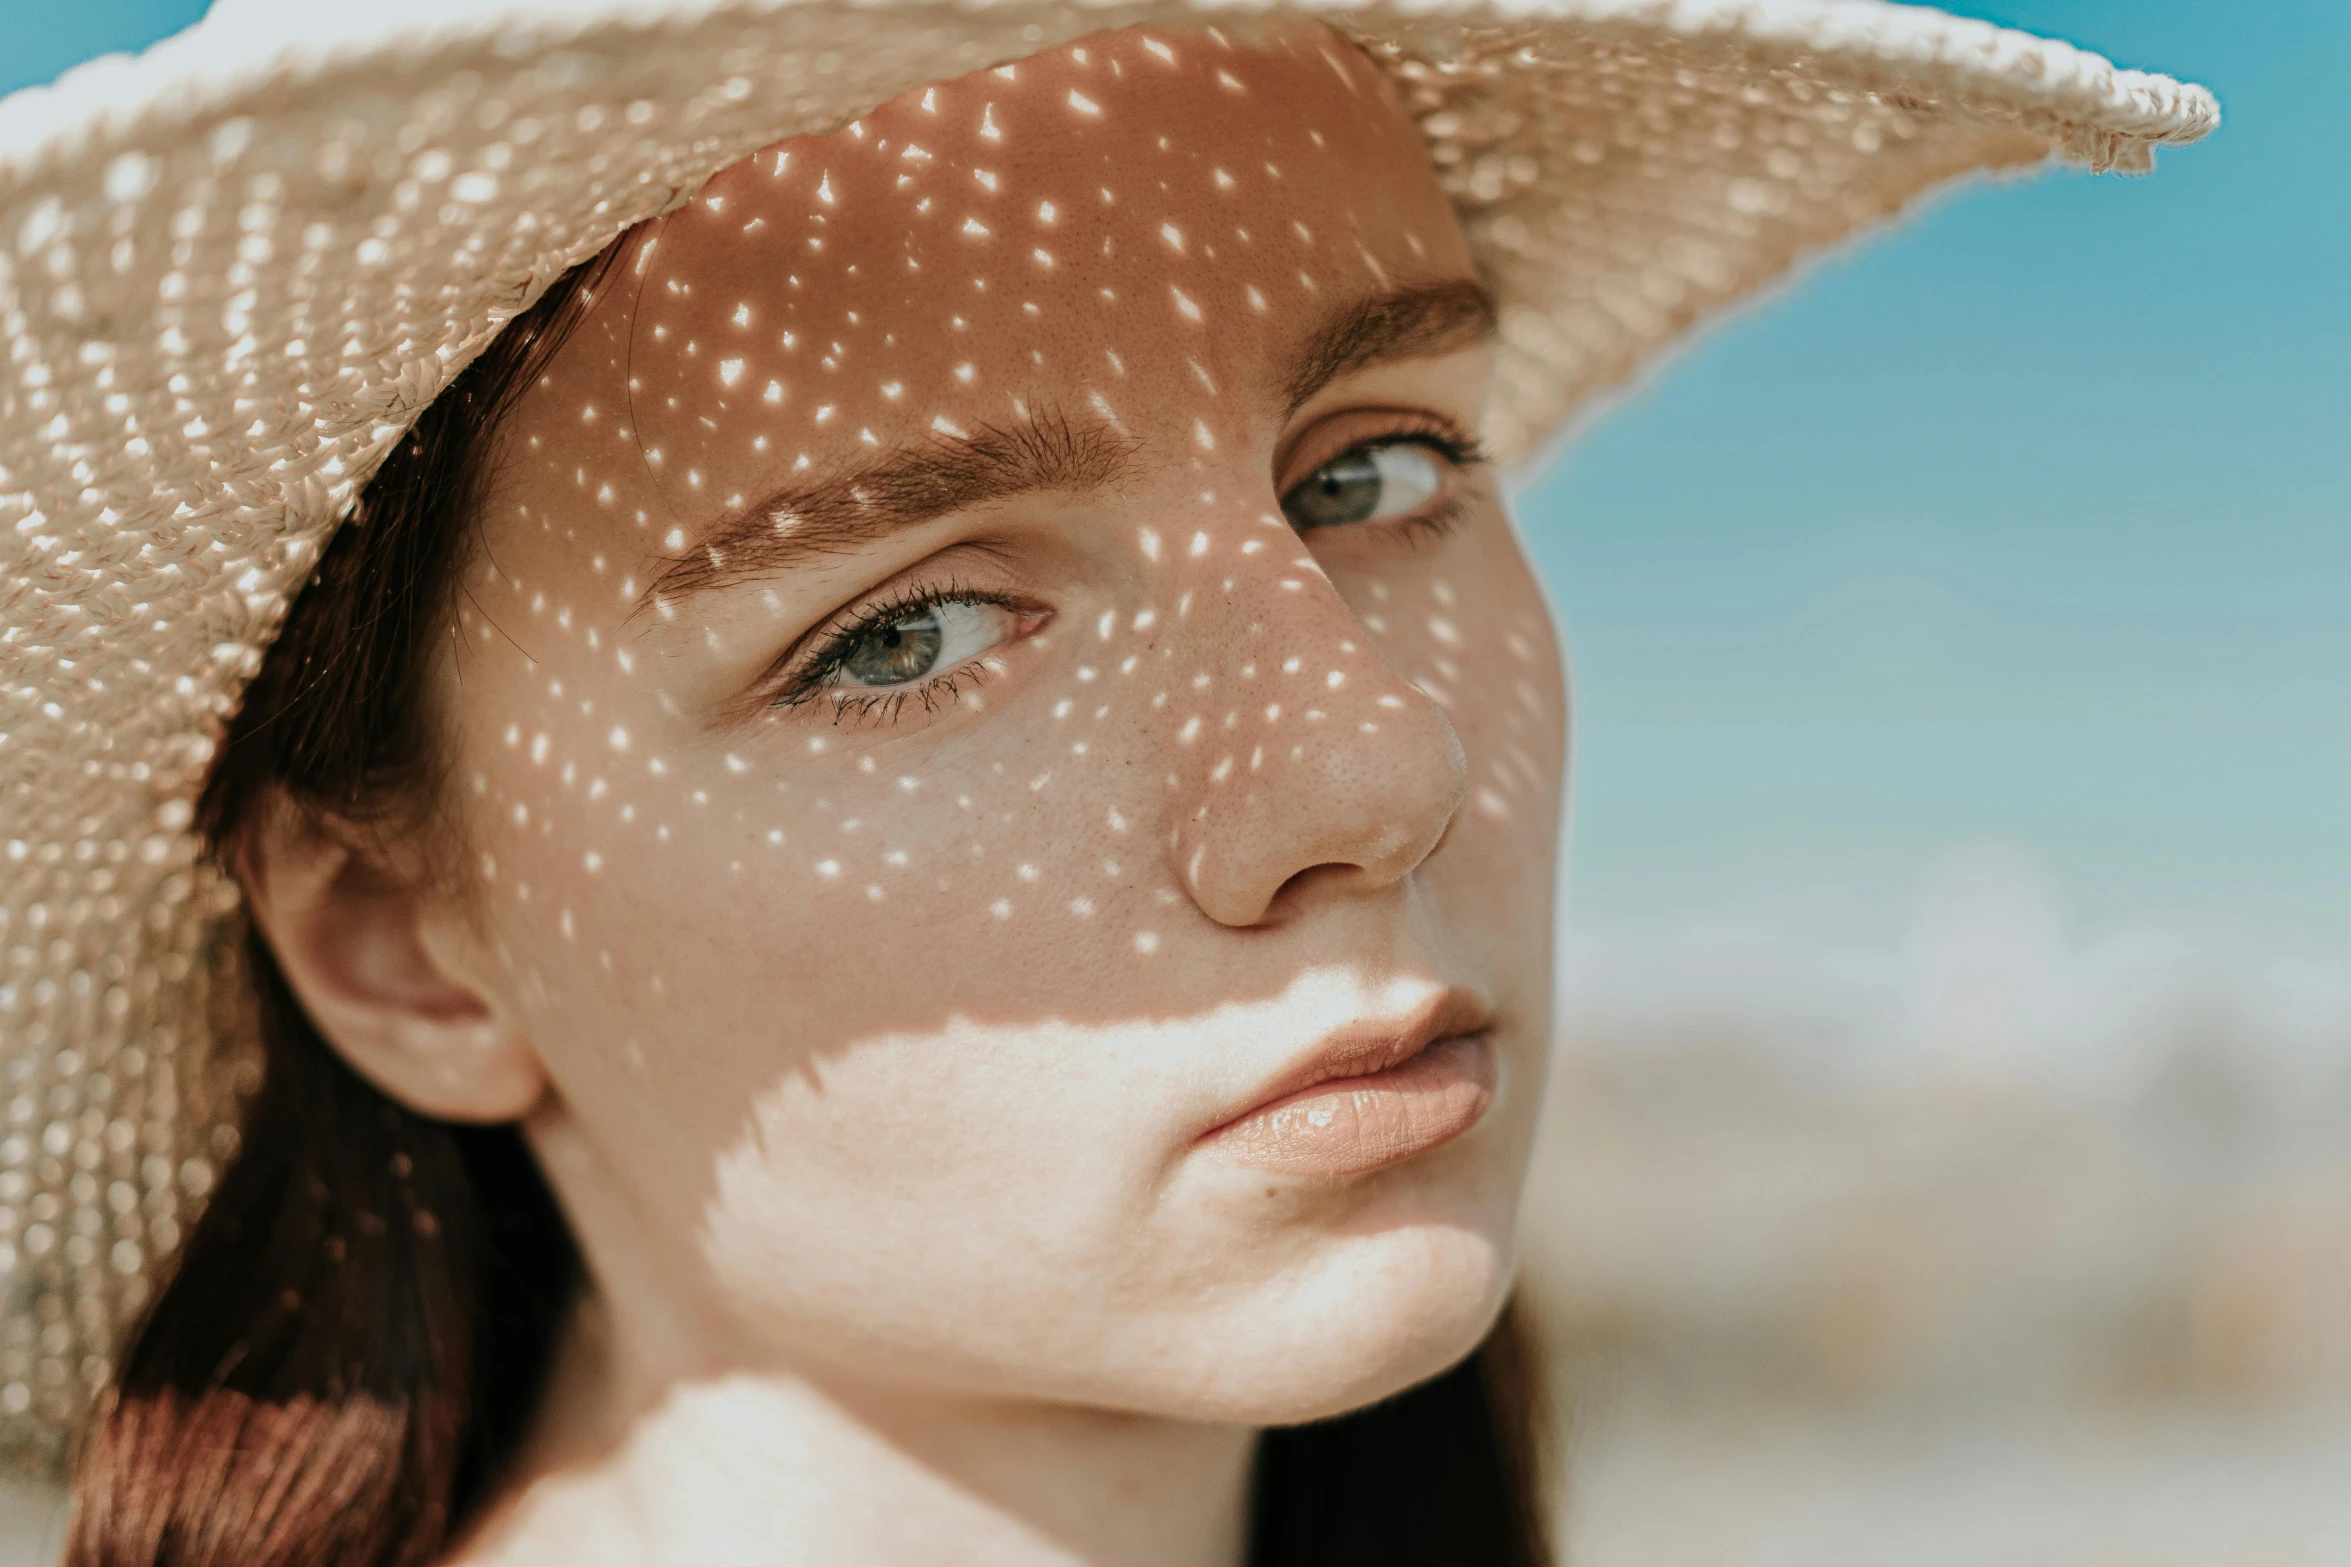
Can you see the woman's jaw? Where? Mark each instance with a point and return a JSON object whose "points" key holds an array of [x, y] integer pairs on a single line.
{"points": [[1008, 757]]}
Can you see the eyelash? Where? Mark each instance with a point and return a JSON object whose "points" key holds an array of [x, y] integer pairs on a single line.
{"points": [[807, 686], [1448, 440], [1441, 435]]}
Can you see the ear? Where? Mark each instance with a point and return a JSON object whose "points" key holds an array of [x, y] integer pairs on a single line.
{"points": [[385, 973]]}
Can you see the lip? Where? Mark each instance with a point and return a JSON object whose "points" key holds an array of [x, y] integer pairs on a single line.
{"points": [[1369, 1096]]}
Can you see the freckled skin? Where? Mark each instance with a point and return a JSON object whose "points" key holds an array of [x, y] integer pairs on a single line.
{"points": [[878, 1044]]}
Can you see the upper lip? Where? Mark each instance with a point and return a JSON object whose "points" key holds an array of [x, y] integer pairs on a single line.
{"points": [[1363, 1048]]}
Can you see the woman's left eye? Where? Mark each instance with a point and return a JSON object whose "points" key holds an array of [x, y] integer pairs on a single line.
{"points": [[917, 644], [1369, 483]]}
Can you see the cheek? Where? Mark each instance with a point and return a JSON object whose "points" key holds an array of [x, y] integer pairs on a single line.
{"points": [[749, 923], [934, 1157], [1473, 632], [842, 1099], [1512, 711]]}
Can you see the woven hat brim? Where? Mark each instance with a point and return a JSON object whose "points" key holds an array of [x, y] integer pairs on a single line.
{"points": [[230, 279]]}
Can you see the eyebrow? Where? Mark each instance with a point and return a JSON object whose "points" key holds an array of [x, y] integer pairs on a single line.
{"points": [[913, 484], [945, 473], [1423, 322]]}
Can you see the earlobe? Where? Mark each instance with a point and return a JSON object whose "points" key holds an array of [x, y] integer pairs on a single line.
{"points": [[375, 964]]}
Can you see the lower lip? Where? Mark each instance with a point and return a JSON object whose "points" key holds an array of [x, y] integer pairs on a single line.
{"points": [[1354, 1125]]}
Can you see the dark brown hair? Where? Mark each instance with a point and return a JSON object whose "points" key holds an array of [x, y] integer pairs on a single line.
{"points": [[353, 1343]]}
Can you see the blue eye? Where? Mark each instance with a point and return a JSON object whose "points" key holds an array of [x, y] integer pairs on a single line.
{"points": [[922, 641], [1365, 484]]}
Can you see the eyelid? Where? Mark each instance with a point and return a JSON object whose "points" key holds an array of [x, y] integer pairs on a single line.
{"points": [[842, 631], [971, 566], [799, 677], [1337, 434]]}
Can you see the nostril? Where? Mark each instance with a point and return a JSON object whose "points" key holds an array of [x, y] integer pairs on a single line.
{"points": [[1331, 876], [1444, 834]]}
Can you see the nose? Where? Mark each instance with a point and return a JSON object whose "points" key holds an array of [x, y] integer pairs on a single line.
{"points": [[1321, 767]]}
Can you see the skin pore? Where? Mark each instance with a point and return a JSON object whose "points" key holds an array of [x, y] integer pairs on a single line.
{"points": [[989, 650]]}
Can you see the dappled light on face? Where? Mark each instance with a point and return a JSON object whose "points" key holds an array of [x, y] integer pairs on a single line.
{"points": [[1012, 580], [829, 339]]}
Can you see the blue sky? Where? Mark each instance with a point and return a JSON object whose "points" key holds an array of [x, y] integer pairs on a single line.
{"points": [[2029, 522]]}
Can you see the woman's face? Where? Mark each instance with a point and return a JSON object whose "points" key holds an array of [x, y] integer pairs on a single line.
{"points": [[991, 658]]}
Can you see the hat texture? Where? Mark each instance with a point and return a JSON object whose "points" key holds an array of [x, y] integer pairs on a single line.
{"points": [[233, 270]]}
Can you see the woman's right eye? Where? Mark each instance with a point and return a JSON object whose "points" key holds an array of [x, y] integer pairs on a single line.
{"points": [[918, 643], [896, 651]]}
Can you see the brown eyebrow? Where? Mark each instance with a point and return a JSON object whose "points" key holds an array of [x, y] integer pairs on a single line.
{"points": [[948, 473], [911, 485], [1406, 323]]}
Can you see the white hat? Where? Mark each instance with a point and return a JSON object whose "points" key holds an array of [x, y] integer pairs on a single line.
{"points": [[234, 268]]}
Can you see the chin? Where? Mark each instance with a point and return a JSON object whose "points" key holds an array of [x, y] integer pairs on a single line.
{"points": [[1376, 1314]]}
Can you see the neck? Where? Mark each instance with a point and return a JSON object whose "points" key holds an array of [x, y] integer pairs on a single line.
{"points": [[730, 1465]]}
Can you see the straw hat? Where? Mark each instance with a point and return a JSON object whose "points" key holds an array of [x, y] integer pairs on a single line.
{"points": [[234, 268]]}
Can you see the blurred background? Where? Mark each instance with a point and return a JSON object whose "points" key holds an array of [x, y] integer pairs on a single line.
{"points": [[1950, 1158], [1950, 1154]]}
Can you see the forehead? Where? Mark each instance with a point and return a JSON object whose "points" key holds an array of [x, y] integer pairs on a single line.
{"points": [[1055, 230]]}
